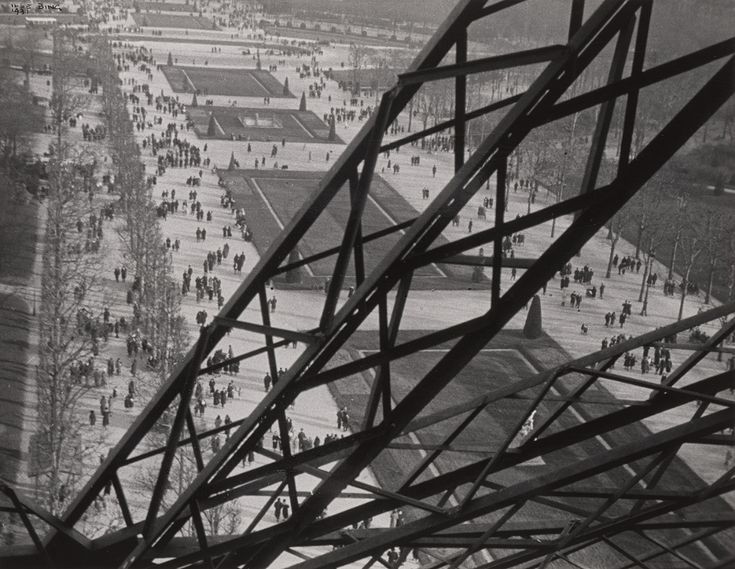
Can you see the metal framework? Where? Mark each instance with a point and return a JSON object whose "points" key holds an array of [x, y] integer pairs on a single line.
{"points": [[467, 511]]}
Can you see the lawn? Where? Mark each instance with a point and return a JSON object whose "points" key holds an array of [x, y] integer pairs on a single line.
{"points": [[272, 197], [15, 315], [149, 20], [224, 81], [506, 359], [18, 223], [263, 125]]}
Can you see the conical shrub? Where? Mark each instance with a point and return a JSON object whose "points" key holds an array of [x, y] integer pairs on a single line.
{"points": [[533, 328]]}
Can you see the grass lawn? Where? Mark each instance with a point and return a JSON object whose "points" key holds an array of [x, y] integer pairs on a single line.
{"points": [[263, 125], [18, 222], [149, 20], [223, 81], [272, 197], [16, 321], [508, 358]]}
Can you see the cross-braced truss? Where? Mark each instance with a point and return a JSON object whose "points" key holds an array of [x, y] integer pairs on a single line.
{"points": [[475, 510]]}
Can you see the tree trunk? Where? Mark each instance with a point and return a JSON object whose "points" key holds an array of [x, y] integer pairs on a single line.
{"points": [[684, 284], [645, 276], [710, 278], [641, 227], [612, 253], [673, 256]]}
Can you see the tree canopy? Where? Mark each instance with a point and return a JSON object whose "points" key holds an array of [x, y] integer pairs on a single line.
{"points": [[19, 117], [711, 164]]}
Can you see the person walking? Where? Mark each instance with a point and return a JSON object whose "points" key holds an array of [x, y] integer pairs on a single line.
{"points": [[277, 507], [394, 518]]}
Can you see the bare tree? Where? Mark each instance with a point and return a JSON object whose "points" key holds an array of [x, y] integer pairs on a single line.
{"points": [[558, 158], [66, 99], [691, 245], [656, 231], [398, 62], [28, 45], [19, 117], [539, 157], [616, 230], [357, 57], [682, 209], [69, 329], [476, 97], [715, 238], [726, 114], [649, 207], [435, 100], [384, 67], [731, 257]]}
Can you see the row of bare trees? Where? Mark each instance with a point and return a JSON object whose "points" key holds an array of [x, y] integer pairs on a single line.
{"points": [[69, 332], [141, 238], [679, 218], [66, 335], [158, 298], [687, 235], [667, 220]]}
